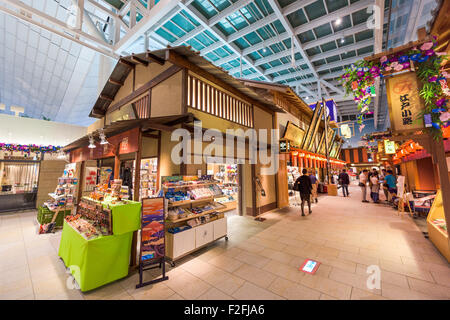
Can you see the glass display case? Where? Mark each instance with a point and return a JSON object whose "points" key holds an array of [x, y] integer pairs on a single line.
{"points": [[19, 183]]}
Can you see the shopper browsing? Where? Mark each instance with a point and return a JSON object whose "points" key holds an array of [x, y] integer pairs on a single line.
{"points": [[363, 177], [374, 187], [344, 181], [383, 183], [314, 184], [391, 182], [304, 186]]}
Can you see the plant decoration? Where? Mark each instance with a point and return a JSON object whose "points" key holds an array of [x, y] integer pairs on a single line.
{"points": [[359, 79], [27, 148]]}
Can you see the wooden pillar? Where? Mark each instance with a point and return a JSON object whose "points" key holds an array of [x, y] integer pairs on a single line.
{"points": [[80, 182], [136, 192], [439, 153], [117, 164]]}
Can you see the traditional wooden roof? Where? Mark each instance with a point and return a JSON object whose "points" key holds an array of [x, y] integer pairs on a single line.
{"points": [[281, 95], [126, 64]]}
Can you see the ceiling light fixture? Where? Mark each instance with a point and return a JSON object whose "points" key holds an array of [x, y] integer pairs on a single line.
{"points": [[342, 40], [91, 142], [338, 21]]}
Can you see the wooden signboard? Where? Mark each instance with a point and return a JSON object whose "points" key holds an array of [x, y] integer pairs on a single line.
{"points": [[153, 246], [294, 134], [306, 140], [404, 102]]}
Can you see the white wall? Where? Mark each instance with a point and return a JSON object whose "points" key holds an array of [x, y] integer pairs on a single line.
{"points": [[34, 131]]}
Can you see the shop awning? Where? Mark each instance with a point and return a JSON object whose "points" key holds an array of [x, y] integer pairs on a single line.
{"points": [[167, 123]]}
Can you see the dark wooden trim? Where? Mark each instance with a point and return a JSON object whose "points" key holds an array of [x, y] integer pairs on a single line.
{"points": [[134, 78], [155, 81], [80, 187], [275, 176], [105, 97], [154, 58], [241, 190], [149, 135], [184, 90], [136, 115], [149, 103], [117, 83], [178, 59], [139, 60], [158, 165], [253, 167], [126, 63], [267, 207]]}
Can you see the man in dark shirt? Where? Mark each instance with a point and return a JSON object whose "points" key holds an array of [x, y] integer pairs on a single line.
{"points": [[344, 180], [303, 185]]}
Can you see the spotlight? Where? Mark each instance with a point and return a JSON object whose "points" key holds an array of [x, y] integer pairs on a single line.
{"points": [[264, 49], [102, 137], [91, 142], [338, 21], [342, 40]]}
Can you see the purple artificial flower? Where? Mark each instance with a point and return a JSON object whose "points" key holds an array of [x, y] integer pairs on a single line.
{"points": [[406, 65], [440, 102], [360, 73], [429, 52], [432, 79], [375, 70], [403, 59]]}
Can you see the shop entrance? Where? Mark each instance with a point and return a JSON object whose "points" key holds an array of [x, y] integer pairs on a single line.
{"points": [[229, 177]]}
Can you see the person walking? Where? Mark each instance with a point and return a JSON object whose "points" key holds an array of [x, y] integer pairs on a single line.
{"points": [[344, 180], [374, 187], [304, 186], [314, 183], [363, 177]]}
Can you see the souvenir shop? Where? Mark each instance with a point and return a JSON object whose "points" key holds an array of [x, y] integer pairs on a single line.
{"points": [[151, 95]]}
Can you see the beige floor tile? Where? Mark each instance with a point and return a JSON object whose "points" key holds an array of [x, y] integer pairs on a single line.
{"points": [[292, 290], [358, 294], [276, 255], [353, 279], [252, 259], [106, 292], [328, 286], [250, 247], [19, 289], [398, 293], [157, 291], [187, 285], [324, 296], [429, 288], [250, 291], [442, 278], [413, 271], [214, 294], [225, 263], [261, 278], [175, 296], [287, 271]]}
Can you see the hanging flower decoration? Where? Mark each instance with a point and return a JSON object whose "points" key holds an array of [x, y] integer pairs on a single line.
{"points": [[362, 74], [27, 148]]}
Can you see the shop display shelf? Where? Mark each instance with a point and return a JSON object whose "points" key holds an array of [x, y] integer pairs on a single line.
{"points": [[191, 185], [193, 216], [187, 202]]}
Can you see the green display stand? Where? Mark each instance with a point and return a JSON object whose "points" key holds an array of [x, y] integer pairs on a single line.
{"points": [[105, 259], [45, 216]]}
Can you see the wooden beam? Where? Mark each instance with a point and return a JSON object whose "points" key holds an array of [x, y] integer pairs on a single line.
{"points": [[104, 97], [126, 63], [154, 58], [139, 60], [117, 83], [141, 90]]}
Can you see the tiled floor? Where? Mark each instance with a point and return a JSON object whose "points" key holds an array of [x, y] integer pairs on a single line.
{"points": [[260, 260]]}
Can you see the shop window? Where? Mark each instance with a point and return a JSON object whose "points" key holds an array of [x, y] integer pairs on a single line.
{"points": [[207, 98]]}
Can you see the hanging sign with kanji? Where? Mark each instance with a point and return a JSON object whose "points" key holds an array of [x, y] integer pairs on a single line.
{"points": [[405, 104]]}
